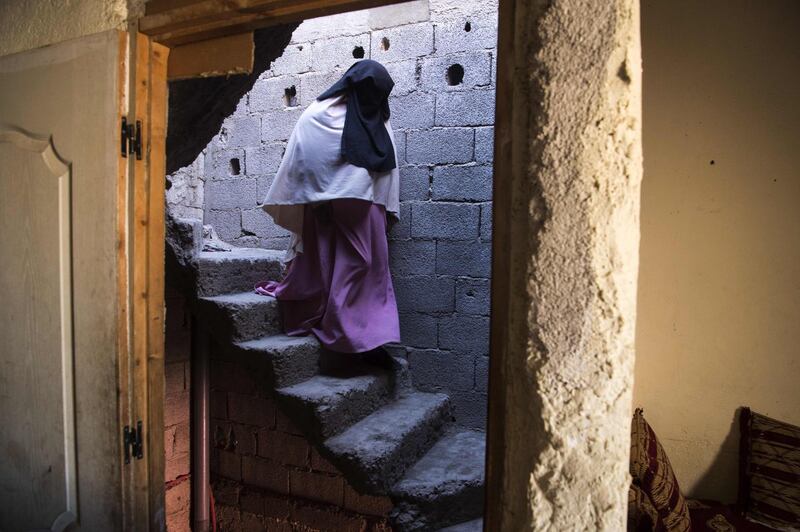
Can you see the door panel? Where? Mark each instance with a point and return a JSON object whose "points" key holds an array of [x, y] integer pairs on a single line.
{"points": [[59, 318]]}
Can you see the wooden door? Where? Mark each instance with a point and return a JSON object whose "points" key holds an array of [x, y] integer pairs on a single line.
{"points": [[69, 381]]}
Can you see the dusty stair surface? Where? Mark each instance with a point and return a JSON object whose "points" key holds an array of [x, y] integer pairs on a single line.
{"points": [[386, 437]]}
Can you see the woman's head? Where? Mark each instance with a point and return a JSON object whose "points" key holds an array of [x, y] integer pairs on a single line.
{"points": [[369, 81]]}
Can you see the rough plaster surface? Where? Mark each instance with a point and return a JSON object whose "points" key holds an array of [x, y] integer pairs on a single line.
{"points": [[28, 24], [574, 237]]}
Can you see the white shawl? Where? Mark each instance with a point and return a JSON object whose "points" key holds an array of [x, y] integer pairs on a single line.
{"points": [[313, 171]]}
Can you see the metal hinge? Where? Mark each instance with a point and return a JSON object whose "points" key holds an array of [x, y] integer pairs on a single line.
{"points": [[131, 138], [132, 442]]}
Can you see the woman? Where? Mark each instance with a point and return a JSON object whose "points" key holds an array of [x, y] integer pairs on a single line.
{"points": [[336, 184]]}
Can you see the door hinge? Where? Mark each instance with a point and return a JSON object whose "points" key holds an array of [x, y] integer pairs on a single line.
{"points": [[132, 442], [131, 138]]}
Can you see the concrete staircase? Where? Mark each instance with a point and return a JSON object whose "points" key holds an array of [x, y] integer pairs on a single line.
{"points": [[366, 418]]}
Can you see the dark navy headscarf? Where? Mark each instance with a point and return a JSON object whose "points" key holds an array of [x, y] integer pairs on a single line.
{"points": [[365, 141]]}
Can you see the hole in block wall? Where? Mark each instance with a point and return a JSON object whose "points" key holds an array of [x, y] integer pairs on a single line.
{"points": [[358, 52], [236, 167], [384, 44], [168, 184], [290, 96], [455, 74], [468, 26]]}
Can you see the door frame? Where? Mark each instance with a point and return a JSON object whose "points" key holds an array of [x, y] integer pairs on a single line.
{"points": [[167, 26]]}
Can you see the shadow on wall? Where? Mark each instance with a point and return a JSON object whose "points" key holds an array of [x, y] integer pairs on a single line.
{"points": [[725, 463]]}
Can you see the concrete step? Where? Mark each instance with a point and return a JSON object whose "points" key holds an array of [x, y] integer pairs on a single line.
{"points": [[375, 452], [327, 404], [238, 270], [240, 317], [292, 359], [444, 487], [475, 525]]}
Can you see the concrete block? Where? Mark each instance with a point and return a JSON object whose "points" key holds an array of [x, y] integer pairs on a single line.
{"points": [[448, 221], [484, 144], [228, 224], [418, 330], [425, 294], [263, 160], [486, 221], [473, 259], [466, 335], [403, 42], [454, 36], [401, 229], [433, 370], [440, 146], [405, 76], [278, 125], [473, 296], [315, 83], [296, 59], [462, 183], [395, 15], [482, 374], [467, 108], [414, 183], [456, 72], [243, 131], [221, 163], [412, 257], [412, 111], [263, 182], [337, 52], [400, 146], [275, 93], [469, 409], [231, 193], [349, 23], [259, 223]]}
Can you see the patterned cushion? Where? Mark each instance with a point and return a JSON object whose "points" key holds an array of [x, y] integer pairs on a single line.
{"points": [[642, 515], [653, 473], [769, 487]]}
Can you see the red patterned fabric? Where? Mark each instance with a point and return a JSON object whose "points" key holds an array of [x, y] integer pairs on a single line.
{"points": [[652, 472]]}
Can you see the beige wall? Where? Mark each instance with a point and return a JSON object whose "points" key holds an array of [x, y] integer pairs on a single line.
{"points": [[28, 24], [719, 282]]}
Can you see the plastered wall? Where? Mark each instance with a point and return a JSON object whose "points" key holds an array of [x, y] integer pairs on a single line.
{"points": [[28, 24], [719, 284]]}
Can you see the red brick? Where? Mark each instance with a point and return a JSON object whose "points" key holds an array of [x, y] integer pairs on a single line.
{"points": [[278, 525], [284, 448], [252, 501], [252, 523], [380, 526], [265, 474], [225, 492], [182, 438], [177, 497], [319, 463], [284, 424], [228, 518], [173, 378], [218, 405], [328, 519], [242, 439], [176, 408], [317, 486], [250, 410], [230, 377], [179, 522], [230, 465], [366, 504], [176, 466], [276, 507], [169, 441]]}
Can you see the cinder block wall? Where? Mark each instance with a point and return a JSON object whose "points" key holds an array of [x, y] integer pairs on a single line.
{"points": [[442, 56]]}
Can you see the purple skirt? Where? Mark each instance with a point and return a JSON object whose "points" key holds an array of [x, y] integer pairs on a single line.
{"points": [[340, 288]]}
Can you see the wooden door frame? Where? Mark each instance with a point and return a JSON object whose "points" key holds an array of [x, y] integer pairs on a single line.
{"points": [[172, 23]]}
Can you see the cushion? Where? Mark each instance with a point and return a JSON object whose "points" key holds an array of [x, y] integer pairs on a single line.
{"points": [[769, 483], [652, 472], [642, 515]]}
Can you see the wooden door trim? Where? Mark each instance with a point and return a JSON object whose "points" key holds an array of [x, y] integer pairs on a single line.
{"points": [[141, 257]]}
